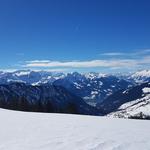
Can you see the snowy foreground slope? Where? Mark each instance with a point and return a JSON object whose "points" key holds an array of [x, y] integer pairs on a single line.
{"points": [[37, 131]]}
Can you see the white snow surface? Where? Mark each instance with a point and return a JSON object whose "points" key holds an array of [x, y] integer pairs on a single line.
{"points": [[146, 90], [93, 75], [133, 108], [143, 73], [42, 131], [22, 73]]}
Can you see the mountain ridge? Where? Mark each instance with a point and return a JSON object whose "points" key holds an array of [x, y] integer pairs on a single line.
{"points": [[97, 93]]}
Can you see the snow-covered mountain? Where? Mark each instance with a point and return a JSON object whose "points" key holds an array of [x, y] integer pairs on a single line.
{"points": [[45, 98], [30, 77], [130, 103], [107, 93], [42, 131], [92, 87], [42, 77], [137, 109], [140, 76]]}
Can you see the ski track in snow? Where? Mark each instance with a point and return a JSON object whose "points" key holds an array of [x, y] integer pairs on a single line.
{"points": [[41, 131]]}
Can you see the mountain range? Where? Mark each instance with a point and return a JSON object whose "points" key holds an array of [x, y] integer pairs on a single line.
{"points": [[81, 93]]}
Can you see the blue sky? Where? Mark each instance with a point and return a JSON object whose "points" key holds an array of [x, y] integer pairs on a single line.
{"points": [[75, 35]]}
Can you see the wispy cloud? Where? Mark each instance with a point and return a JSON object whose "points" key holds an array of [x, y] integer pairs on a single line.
{"points": [[55, 70], [144, 51], [38, 61], [112, 63], [50, 70], [134, 53], [113, 54], [8, 70], [112, 60]]}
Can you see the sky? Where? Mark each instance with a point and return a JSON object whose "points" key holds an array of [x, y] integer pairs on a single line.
{"points": [[75, 35]]}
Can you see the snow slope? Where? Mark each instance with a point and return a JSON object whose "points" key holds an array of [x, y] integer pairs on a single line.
{"points": [[37, 131], [138, 107]]}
